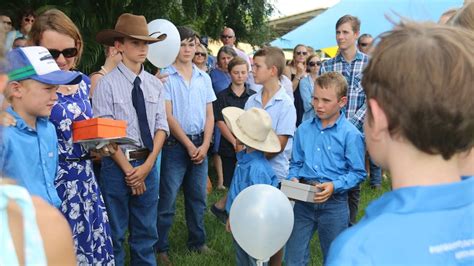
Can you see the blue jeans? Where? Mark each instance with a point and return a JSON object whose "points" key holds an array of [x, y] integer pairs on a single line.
{"points": [[375, 173], [133, 213], [177, 169], [329, 218], [242, 258]]}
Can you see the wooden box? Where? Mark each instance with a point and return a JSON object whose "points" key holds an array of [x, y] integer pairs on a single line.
{"points": [[298, 191], [96, 128]]}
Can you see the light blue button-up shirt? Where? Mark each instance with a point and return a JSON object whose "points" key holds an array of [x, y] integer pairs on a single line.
{"points": [[251, 169], [283, 113], [31, 157], [307, 91], [189, 101], [332, 154]]}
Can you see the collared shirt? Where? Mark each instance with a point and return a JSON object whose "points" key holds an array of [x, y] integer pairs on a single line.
{"points": [[252, 168], [335, 154], [113, 99], [31, 156], [220, 80], [421, 225], [225, 99], [352, 71], [283, 113], [189, 101], [306, 91]]}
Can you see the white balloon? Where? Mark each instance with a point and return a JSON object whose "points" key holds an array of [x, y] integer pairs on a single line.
{"points": [[261, 220], [163, 54]]}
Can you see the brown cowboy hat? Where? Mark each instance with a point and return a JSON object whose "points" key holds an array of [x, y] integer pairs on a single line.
{"points": [[131, 26]]}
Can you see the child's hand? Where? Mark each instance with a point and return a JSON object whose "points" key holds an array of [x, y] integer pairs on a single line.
{"points": [[227, 226], [327, 189]]}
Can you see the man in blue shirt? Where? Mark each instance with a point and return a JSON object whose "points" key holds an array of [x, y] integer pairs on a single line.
{"points": [[30, 148], [328, 152], [253, 128], [419, 126], [188, 101]]}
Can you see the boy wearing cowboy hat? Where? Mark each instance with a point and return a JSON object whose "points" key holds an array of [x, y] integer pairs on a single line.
{"points": [[328, 152], [131, 182], [253, 128]]}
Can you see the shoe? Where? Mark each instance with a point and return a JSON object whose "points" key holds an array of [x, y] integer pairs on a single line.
{"points": [[204, 249], [162, 258], [376, 187], [221, 215], [221, 188]]}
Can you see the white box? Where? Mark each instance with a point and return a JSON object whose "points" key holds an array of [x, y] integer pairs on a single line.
{"points": [[298, 191]]}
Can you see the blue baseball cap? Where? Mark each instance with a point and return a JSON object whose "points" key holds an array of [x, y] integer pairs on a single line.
{"points": [[35, 62]]}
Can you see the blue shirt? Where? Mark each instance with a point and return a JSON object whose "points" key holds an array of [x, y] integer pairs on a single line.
{"points": [[422, 225], [252, 168], [31, 156], [189, 101], [332, 154], [306, 91], [352, 71], [220, 80], [283, 113]]}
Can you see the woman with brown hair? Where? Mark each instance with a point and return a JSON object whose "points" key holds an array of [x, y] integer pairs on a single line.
{"points": [[295, 71], [82, 202]]}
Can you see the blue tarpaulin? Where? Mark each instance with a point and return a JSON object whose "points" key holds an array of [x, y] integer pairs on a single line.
{"points": [[320, 32]]}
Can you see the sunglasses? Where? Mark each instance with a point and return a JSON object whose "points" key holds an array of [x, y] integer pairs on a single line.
{"points": [[301, 53], [363, 44], [227, 36], [312, 64], [29, 20], [67, 53], [199, 54]]}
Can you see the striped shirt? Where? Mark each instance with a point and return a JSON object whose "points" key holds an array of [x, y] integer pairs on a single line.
{"points": [[352, 71], [113, 99]]}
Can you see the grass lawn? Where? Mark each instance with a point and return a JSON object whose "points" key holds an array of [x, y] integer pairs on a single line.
{"points": [[221, 241]]}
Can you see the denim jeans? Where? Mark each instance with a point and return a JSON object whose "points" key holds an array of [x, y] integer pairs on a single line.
{"points": [[133, 213], [242, 258], [329, 219], [375, 173], [353, 202], [177, 169]]}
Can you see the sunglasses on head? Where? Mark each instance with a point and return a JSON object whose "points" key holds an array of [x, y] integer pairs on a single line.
{"points": [[312, 64], [363, 44], [199, 54], [67, 53], [301, 53], [29, 20], [227, 36]]}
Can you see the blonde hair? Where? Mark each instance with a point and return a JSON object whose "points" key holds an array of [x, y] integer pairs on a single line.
{"points": [[56, 20], [274, 56], [464, 17], [333, 79]]}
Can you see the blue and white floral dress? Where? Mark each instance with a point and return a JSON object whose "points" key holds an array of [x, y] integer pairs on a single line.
{"points": [[82, 202]]}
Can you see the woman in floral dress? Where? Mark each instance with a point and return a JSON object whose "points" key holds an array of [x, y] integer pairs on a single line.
{"points": [[82, 202]]}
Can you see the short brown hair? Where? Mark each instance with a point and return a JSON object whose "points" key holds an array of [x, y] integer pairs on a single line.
{"points": [[464, 17], [421, 76], [274, 56], [236, 61], [355, 22], [333, 79], [56, 20]]}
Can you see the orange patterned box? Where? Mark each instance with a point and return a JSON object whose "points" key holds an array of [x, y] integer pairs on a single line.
{"points": [[98, 128]]}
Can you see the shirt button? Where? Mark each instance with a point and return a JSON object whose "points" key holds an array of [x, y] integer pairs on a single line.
{"points": [[329, 147], [315, 166], [322, 132], [318, 149], [44, 162]]}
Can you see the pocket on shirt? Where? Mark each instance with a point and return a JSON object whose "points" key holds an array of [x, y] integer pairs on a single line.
{"points": [[123, 108]]}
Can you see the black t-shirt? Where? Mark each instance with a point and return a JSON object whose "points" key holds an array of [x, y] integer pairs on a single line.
{"points": [[225, 99]]}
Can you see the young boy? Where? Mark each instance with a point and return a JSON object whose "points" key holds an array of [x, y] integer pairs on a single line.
{"points": [[30, 148], [188, 100], [419, 124], [130, 182], [253, 128], [235, 95], [328, 152], [269, 63]]}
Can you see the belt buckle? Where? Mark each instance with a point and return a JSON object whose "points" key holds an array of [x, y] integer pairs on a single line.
{"points": [[127, 154]]}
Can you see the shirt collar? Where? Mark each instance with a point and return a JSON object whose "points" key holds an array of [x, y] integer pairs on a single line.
{"points": [[244, 157], [424, 198], [196, 71], [246, 91], [358, 57], [317, 121], [21, 124], [277, 97], [129, 75]]}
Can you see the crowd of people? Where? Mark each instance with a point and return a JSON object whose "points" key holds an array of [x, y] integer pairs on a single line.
{"points": [[401, 102]]}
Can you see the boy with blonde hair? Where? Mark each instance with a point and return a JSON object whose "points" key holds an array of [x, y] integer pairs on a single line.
{"points": [[419, 124]]}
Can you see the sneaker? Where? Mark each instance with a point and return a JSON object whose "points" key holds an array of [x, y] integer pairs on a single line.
{"points": [[162, 258], [204, 249], [221, 215]]}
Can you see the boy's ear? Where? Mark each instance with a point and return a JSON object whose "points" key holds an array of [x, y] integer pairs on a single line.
{"points": [[274, 70], [118, 45], [343, 101], [378, 121], [13, 90]]}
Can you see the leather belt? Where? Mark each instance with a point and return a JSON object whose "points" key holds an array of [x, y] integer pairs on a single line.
{"points": [[140, 154], [196, 136]]}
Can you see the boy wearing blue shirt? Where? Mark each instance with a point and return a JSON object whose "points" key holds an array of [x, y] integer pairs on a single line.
{"points": [[328, 152], [30, 148], [419, 124], [253, 128]]}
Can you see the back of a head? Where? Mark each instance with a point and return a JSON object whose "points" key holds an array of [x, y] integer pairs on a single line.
{"points": [[421, 76], [274, 56], [464, 17]]}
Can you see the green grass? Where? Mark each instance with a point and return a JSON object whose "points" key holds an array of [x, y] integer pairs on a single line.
{"points": [[221, 241]]}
